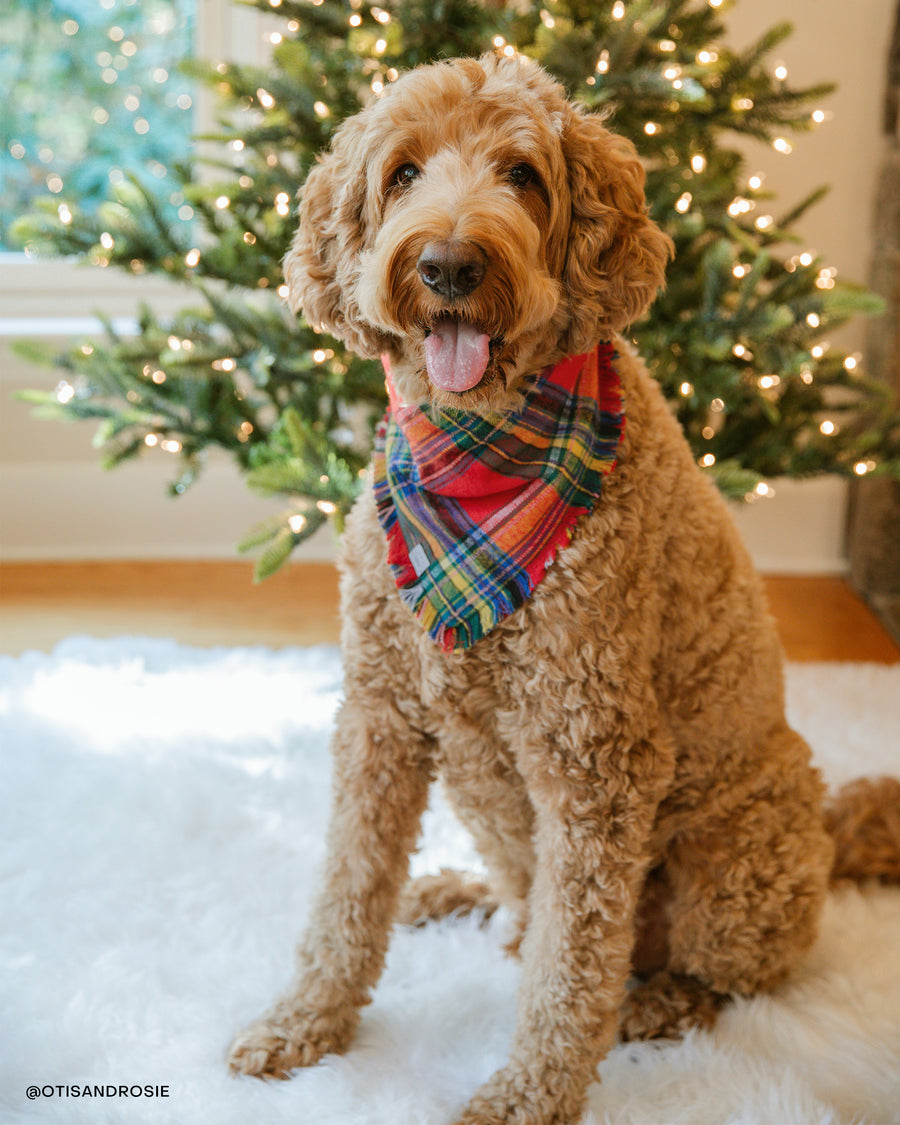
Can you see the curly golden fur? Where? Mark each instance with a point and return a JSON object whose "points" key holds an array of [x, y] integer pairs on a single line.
{"points": [[617, 746]]}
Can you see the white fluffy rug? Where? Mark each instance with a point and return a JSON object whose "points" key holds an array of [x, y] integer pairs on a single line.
{"points": [[162, 813]]}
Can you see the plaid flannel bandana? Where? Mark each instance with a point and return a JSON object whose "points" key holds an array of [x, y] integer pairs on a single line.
{"points": [[475, 509]]}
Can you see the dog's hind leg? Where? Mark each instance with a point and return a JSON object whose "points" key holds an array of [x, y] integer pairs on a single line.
{"points": [[746, 892], [667, 1005]]}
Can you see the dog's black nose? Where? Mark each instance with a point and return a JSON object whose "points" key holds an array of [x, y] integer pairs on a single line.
{"points": [[452, 269]]}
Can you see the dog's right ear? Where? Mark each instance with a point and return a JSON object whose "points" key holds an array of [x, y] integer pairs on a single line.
{"points": [[322, 264]]}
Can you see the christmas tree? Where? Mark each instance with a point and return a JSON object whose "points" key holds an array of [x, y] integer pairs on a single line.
{"points": [[738, 340]]}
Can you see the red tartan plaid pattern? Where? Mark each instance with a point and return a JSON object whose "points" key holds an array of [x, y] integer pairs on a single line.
{"points": [[475, 508]]}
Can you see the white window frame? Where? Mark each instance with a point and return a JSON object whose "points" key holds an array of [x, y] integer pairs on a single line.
{"points": [[61, 296]]}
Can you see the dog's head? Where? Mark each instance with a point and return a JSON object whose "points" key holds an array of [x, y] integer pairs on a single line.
{"points": [[475, 226]]}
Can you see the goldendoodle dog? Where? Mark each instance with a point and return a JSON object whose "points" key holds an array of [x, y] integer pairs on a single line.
{"points": [[545, 603]]}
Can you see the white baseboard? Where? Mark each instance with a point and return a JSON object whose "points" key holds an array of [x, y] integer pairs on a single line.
{"points": [[73, 510], [802, 529]]}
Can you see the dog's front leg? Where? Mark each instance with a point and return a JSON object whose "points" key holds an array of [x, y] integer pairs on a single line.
{"points": [[381, 776], [594, 816]]}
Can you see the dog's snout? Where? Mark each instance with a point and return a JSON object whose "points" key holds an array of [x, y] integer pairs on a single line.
{"points": [[452, 269]]}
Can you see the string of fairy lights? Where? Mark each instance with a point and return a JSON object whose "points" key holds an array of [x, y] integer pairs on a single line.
{"points": [[373, 26]]}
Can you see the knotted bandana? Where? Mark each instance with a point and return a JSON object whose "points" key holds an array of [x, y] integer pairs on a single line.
{"points": [[475, 509]]}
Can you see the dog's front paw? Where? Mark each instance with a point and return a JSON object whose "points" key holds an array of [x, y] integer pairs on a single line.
{"points": [[286, 1038]]}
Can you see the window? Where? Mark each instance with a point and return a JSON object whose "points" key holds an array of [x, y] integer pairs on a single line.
{"points": [[58, 296], [96, 95]]}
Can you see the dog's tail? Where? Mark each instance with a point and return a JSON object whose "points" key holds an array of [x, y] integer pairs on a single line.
{"points": [[863, 819]]}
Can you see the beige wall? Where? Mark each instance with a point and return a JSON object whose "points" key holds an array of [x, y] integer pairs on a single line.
{"points": [[55, 501], [844, 42]]}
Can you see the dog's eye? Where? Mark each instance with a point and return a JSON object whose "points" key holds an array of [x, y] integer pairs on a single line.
{"points": [[521, 175], [405, 174]]}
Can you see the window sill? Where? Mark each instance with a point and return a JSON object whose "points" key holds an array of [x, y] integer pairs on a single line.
{"points": [[62, 296]]}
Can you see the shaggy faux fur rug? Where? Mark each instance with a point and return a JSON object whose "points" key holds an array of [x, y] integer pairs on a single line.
{"points": [[163, 812]]}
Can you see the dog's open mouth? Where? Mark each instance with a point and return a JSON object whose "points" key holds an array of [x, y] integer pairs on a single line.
{"points": [[456, 354]]}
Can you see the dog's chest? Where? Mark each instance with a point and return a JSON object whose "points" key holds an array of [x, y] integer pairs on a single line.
{"points": [[477, 703], [471, 713]]}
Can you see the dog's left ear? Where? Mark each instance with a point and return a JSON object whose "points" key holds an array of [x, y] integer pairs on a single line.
{"points": [[616, 255]]}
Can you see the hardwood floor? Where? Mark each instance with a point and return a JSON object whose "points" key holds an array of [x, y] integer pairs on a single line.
{"points": [[216, 603], [198, 603], [821, 618]]}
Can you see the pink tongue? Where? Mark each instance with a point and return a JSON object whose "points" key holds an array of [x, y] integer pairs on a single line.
{"points": [[456, 355]]}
